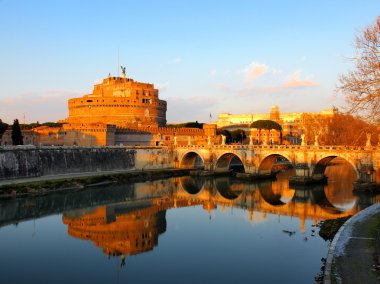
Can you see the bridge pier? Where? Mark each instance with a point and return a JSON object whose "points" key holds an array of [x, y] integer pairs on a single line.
{"points": [[304, 175], [367, 180]]}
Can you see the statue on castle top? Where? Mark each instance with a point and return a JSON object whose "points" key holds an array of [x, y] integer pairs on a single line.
{"points": [[123, 71]]}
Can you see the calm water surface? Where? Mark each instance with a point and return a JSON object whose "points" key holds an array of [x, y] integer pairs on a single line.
{"points": [[179, 230]]}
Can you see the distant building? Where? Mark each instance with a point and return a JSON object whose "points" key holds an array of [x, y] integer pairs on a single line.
{"points": [[290, 123]]}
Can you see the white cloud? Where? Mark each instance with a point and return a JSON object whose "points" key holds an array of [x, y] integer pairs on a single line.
{"points": [[50, 105], [175, 60], [162, 87], [294, 81], [213, 72], [97, 81], [255, 70], [190, 108]]}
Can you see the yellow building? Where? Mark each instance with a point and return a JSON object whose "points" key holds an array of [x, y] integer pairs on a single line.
{"points": [[227, 119], [290, 123]]}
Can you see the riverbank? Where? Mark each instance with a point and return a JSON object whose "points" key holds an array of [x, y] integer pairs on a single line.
{"points": [[37, 186], [353, 255]]}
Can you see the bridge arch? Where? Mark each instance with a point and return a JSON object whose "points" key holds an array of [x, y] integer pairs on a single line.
{"points": [[229, 161], [321, 165], [275, 163], [192, 160]]}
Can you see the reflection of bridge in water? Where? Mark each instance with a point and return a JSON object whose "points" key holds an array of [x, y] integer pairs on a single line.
{"points": [[133, 227]]}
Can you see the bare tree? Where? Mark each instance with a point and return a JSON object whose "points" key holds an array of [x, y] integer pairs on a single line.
{"points": [[338, 129], [362, 85]]}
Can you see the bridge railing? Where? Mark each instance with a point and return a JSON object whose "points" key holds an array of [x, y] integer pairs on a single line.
{"points": [[282, 147]]}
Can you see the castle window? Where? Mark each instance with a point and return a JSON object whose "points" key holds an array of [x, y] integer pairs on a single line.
{"points": [[89, 101]]}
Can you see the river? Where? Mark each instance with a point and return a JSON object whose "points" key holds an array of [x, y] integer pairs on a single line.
{"points": [[177, 230]]}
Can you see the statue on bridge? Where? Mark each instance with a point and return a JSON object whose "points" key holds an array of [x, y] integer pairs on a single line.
{"points": [[189, 140], [223, 139], [316, 143], [209, 140], [175, 140], [251, 139], [303, 138], [265, 141], [368, 142]]}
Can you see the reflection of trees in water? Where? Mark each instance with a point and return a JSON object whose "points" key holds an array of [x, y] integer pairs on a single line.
{"points": [[339, 190]]}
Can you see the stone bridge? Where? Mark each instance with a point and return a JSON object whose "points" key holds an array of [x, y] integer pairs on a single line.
{"points": [[260, 159]]}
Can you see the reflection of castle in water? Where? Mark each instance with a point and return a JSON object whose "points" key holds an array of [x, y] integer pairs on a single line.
{"points": [[118, 232], [133, 227]]}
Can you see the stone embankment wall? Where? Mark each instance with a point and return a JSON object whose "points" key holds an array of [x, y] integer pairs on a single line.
{"points": [[31, 161], [26, 161]]}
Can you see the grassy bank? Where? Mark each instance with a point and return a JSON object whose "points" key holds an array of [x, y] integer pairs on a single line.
{"points": [[42, 187]]}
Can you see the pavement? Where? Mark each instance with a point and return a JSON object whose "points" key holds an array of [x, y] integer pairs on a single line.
{"points": [[353, 256], [62, 176]]}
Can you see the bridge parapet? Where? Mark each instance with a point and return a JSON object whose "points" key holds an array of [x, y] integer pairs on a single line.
{"points": [[283, 147]]}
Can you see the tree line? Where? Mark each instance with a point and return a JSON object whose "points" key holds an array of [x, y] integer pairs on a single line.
{"points": [[16, 134]]}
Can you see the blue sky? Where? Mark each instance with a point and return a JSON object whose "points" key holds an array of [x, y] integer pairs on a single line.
{"points": [[204, 56]]}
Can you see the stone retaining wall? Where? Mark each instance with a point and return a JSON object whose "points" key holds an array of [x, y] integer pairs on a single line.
{"points": [[29, 161]]}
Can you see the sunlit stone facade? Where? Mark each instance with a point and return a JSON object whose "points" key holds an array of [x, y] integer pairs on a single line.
{"points": [[290, 123], [285, 119], [119, 101]]}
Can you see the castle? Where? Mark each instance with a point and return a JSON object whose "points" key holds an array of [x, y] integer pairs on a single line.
{"points": [[121, 111]]}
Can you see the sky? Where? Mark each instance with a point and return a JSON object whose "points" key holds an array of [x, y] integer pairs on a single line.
{"points": [[206, 57]]}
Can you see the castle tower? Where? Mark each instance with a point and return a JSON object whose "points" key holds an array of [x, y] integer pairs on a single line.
{"points": [[119, 101]]}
